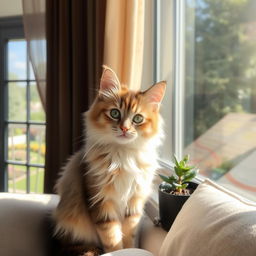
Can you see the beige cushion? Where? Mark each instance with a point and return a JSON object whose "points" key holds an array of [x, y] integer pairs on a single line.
{"points": [[213, 222], [129, 252], [21, 219]]}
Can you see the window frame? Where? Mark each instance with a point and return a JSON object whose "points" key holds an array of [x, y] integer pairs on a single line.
{"points": [[12, 28], [178, 81]]}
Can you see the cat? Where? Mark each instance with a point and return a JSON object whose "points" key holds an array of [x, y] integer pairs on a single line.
{"points": [[104, 186]]}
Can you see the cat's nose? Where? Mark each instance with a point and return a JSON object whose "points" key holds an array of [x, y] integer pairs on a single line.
{"points": [[123, 128]]}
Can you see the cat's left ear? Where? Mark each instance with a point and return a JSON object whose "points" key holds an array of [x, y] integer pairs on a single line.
{"points": [[109, 80], [154, 95]]}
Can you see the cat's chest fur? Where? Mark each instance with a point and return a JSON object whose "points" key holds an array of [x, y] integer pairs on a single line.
{"points": [[122, 172]]}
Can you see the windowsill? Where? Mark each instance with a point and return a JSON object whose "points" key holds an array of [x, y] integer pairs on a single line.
{"points": [[150, 237]]}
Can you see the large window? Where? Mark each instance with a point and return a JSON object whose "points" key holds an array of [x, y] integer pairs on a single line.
{"points": [[22, 116], [207, 53]]}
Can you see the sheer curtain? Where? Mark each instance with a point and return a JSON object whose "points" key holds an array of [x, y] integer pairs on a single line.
{"points": [[124, 40], [34, 27]]}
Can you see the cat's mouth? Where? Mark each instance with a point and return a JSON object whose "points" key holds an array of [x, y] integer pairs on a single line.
{"points": [[125, 136]]}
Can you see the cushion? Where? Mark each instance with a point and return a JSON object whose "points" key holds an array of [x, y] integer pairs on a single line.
{"points": [[129, 252], [21, 219], [213, 222]]}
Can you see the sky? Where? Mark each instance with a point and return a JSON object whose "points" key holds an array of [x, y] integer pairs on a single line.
{"points": [[17, 59]]}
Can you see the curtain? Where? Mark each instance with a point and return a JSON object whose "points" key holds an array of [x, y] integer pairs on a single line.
{"points": [[34, 28], [75, 43], [80, 37], [124, 40]]}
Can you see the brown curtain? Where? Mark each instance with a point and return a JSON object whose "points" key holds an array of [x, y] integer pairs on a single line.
{"points": [[75, 41]]}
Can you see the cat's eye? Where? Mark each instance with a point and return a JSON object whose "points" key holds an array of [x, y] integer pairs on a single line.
{"points": [[138, 119], [115, 113]]}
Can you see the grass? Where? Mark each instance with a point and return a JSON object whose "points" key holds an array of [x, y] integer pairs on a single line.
{"points": [[20, 184], [20, 155]]}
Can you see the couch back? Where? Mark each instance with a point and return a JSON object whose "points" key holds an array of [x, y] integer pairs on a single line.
{"points": [[22, 231]]}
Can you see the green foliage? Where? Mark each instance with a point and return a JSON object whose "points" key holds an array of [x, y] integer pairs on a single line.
{"points": [[183, 174], [224, 64], [17, 102], [222, 169], [36, 182], [36, 113]]}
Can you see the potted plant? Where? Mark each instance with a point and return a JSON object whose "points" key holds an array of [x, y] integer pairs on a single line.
{"points": [[175, 190]]}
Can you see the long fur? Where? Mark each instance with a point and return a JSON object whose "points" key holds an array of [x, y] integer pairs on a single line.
{"points": [[104, 186]]}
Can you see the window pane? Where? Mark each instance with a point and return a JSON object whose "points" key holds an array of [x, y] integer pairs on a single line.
{"points": [[17, 142], [36, 109], [17, 179], [17, 101], [36, 180], [17, 56], [37, 144], [220, 130], [31, 72]]}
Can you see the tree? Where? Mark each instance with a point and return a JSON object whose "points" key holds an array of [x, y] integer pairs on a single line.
{"points": [[16, 100], [225, 60]]}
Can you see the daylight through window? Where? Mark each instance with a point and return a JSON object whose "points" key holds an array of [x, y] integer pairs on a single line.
{"points": [[25, 123]]}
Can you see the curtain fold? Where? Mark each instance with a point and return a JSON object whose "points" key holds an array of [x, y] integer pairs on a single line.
{"points": [[75, 38], [124, 40], [34, 27]]}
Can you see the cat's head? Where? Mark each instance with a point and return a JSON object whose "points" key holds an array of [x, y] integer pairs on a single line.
{"points": [[119, 115]]}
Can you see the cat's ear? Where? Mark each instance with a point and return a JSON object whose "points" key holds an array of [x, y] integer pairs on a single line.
{"points": [[109, 80], [154, 95]]}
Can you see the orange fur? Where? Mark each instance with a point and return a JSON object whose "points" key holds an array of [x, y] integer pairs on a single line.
{"points": [[104, 186], [129, 228], [111, 235]]}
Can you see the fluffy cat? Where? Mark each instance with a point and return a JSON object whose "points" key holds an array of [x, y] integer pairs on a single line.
{"points": [[104, 186]]}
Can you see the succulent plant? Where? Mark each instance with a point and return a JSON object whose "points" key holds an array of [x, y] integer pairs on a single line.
{"points": [[183, 174]]}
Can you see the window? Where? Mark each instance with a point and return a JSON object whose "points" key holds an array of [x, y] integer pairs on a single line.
{"points": [[206, 50], [22, 116]]}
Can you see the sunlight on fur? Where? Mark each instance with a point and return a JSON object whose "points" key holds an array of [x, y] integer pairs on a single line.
{"points": [[104, 186]]}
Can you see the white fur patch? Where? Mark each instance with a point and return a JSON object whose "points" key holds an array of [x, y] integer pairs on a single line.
{"points": [[137, 161]]}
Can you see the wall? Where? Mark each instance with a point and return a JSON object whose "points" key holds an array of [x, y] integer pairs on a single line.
{"points": [[10, 8]]}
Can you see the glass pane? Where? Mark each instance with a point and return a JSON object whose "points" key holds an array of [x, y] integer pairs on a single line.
{"points": [[17, 142], [37, 144], [17, 101], [31, 72], [17, 57], [17, 179], [36, 109], [220, 130], [36, 180]]}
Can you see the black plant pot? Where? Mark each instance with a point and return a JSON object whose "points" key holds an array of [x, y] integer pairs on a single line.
{"points": [[170, 205]]}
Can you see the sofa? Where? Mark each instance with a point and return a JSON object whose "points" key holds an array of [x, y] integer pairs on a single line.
{"points": [[213, 221], [25, 232]]}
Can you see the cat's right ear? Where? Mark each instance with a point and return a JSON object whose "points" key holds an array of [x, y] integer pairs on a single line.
{"points": [[109, 81]]}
